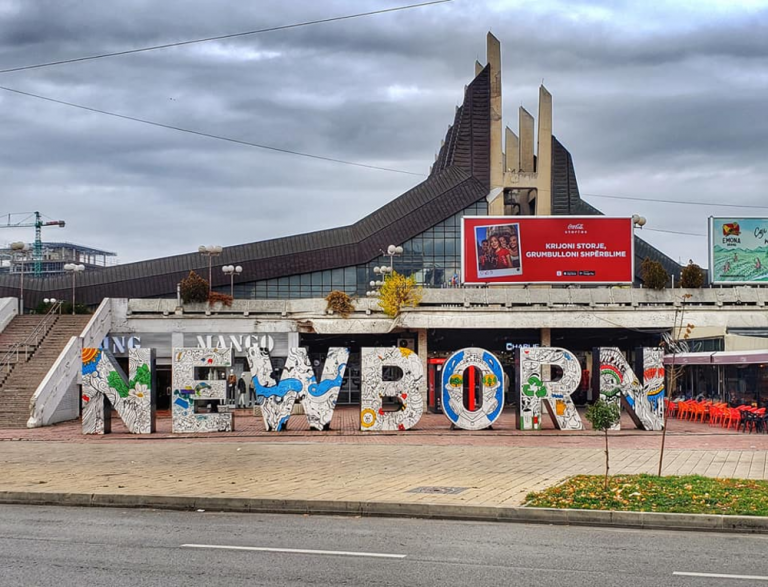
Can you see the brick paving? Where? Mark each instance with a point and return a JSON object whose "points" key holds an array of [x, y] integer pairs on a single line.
{"points": [[432, 429], [496, 467], [491, 475]]}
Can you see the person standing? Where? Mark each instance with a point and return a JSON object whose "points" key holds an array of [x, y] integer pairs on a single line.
{"points": [[231, 384], [241, 391]]}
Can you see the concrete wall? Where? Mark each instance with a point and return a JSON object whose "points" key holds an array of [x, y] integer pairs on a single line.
{"points": [[494, 307], [9, 309]]}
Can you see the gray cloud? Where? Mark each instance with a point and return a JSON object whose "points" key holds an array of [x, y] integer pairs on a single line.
{"points": [[658, 101]]}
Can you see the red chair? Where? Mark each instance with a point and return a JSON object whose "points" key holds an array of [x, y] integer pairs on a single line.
{"points": [[670, 406], [715, 414], [700, 411], [732, 418]]}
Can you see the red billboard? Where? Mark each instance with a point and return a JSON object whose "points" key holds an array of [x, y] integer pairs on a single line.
{"points": [[547, 249]]}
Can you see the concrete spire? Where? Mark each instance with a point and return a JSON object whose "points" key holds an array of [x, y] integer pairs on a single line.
{"points": [[526, 141], [544, 154], [494, 60], [493, 49], [511, 150]]}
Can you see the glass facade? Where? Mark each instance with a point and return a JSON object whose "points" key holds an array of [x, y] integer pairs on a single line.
{"points": [[433, 256]]}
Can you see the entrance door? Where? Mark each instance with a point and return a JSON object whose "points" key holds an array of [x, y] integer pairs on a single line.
{"points": [[435, 384]]}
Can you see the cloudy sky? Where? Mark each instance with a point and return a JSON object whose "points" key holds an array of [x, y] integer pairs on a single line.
{"points": [[657, 100]]}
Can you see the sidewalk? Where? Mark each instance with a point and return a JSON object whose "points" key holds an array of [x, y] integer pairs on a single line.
{"points": [[432, 430], [418, 472], [475, 475]]}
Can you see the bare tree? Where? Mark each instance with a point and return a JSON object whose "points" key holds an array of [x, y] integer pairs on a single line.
{"points": [[674, 345]]}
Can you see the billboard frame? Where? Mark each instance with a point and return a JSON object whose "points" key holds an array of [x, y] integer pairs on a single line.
{"points": [[556, 217], [711, 250]]}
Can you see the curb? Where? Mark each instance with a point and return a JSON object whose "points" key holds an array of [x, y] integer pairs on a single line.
{"points": [[520, 515]]}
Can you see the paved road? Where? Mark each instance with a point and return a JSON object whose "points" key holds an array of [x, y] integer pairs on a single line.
{"points": [[70, 546]]}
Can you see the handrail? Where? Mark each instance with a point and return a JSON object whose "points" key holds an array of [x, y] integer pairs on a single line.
{"points": [[14, 351]]}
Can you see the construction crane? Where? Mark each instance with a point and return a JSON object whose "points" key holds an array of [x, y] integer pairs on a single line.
{"points": [[37, 249]]}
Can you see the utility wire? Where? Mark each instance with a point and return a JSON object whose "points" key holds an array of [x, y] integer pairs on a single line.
{"points": [[673, 201], [221, 37], [674, 232], [205, 134]]}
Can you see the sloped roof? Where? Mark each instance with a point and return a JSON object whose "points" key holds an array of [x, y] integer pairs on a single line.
{"points": [[459, 178]]}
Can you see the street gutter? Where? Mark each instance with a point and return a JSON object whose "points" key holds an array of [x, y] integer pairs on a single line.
{"points": [[437, 511]]}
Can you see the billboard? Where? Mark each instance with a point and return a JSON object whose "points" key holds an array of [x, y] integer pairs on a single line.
{"points": [[738, 250], [547, 249]]}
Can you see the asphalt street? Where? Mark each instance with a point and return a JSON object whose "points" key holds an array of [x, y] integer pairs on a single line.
{"points": [[44, 546]]}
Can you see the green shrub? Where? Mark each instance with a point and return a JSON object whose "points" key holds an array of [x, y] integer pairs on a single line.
{"points": [[603, 416]]}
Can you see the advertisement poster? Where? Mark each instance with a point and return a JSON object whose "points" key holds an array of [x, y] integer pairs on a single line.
{"points": [[738, 250], [547, 249]]}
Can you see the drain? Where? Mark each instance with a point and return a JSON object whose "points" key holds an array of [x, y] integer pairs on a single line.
{"points": [[436, 490]]}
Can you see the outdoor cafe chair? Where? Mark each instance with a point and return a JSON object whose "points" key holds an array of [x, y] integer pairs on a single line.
{"points": [[732, 418], [747, 421], [716, 413], [701, 410]]}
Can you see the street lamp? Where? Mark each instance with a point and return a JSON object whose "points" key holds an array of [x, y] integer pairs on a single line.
{"points": [[375, 285], [638, 221], [391, 252], [51, 301], [21, 249], [384, 270], [210, 251], [74, 269], [231, 270]]}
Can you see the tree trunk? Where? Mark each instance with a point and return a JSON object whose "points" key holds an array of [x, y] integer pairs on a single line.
{"points": [[606, 458], [663, 440]]}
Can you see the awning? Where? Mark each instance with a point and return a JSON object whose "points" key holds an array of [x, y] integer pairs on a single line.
{"points": [[740, 357], [689, 359], [718, 358]]}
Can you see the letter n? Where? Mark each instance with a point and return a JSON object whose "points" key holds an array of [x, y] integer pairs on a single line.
{"points": [[105, 386], [619, 384]]}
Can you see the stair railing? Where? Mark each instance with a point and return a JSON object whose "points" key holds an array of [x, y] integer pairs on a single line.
{"points": [[12, 356]]}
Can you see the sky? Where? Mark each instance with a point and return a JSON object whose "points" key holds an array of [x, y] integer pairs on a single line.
{"points": [[655, 100]]}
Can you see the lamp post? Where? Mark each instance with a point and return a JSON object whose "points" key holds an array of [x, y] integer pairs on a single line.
{"points": [[51, 301], [375, 285], [210, 251], [231, 270], [392, 251], [638, 221], [21, 249], [74, 269]]}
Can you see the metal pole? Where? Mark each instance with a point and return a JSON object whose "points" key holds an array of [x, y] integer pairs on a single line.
{"points": [[232, 285], [21, 288], [73, 292], [210, 274]]}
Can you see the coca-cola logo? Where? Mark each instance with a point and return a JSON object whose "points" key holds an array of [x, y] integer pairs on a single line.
{"points": [[575, 227]]}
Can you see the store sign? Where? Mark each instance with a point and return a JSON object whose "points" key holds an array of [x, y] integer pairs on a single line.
{"points": [[547, 249], [119, 344], [738, 250], [134, 398]]}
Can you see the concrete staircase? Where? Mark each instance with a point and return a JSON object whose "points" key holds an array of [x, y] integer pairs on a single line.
{"points": [[17, 388]]}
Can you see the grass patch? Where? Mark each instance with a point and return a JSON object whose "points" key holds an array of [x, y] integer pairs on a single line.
{"points": [[691, 494]]}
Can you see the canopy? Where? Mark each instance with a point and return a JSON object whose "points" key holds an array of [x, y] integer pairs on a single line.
{"points": [[718, 358]]}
